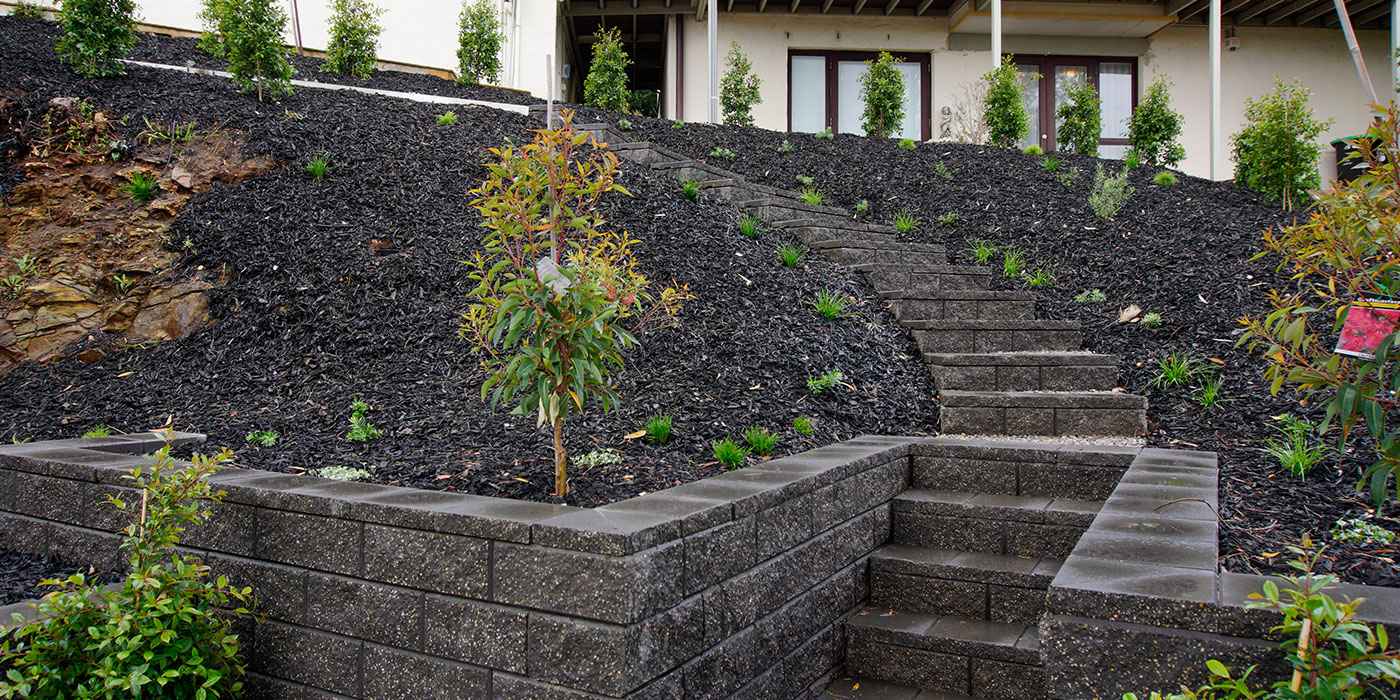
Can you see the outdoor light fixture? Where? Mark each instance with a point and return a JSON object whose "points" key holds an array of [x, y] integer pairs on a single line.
{"points": [[1232, 43]]}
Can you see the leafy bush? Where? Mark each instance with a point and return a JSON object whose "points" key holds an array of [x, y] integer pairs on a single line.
{"points": [[250, 33], [1033, 150], [729, 453], [749, 224], [361, 430], [785, 148], [27, 10], [479, 40], [882, 92], [691, 189], [626, 124], [318, 166], [1110, 193], [1346, 250], [142, 187], [825, 383], [644, 102], [803, 425], [760, 440], [905, 222], [1165, 178], [812, 195], [606, 84], [658, 428], [210, 41], [163, 634], [738, 89], [263, 438], [678, 124], [829, 304], [791, 253], [1005, 113], [447, 118], [94, 34], [722, 152], [1276, 151], [909, 144], [949, 219], [1361, 531], [1050, 162], [1068, 176], [1091, 296], [557, 297], [354, 38], [1154, 126], [1079, 126], [824, 134]]}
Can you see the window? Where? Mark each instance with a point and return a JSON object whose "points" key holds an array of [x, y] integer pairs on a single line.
{"points": [[824, 90], [1116, 79]]}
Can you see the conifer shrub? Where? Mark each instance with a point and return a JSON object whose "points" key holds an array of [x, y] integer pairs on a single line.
{"points": [[94, 34], [606, 84], [479, 40], [738, 89], [354, 38], [1154, 127], [250, 32], [1276, 151], [1110, 193], [1080, 123], [882, 91], [1005, 113]]}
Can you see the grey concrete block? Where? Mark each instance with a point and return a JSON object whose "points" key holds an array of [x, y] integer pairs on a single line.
{"points": [[915, 667], [609, 659], [283, 651], [1008, 681], [722, 669], [720, 553], [50, 498], [1090, 483], [963, 474], [784, 526], [443, 563], [259, 687], [477, 633], [279, 591], [611, 589], [394, 674], [311, 541], [363, 610], [929, 595]]}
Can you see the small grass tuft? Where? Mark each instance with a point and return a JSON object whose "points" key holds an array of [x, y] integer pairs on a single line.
{"points": [[318, 166], [99, 431], [658, 428], [829, 304], [791, 253], [1165, 178], [1013, 262], [263, 438], [812, 195], [785, 148], [1295, 452], [728, 453], [908, 144], [447, 118], [1208, 396], [942, 171], [760, 440], [1091, 296], [905, 223], [1177, 369], [1033, 150], [142, 187], [980, 250], [722, 152], [691, 189], [749, 225], [825, 383], [1042, 277], [949, 220], [803, 425]]}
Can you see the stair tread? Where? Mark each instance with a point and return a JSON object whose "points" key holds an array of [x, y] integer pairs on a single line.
{"points": [[870, 689], [949, 634], [1002, 507], [1039, 357], [1009, 324], [1049, 399], [978, 294], [1001, 569], [924, 267]]}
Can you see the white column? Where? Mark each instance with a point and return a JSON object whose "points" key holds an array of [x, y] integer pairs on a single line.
{"points": [[712, 33], [996, 33], [1215, 140], [1394, 46]]}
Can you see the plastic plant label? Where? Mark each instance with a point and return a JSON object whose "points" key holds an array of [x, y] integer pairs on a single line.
{"points": [[1368, 323]]}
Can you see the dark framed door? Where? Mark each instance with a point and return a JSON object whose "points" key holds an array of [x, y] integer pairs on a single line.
{"points": [[1114, 78], [824, 91]]}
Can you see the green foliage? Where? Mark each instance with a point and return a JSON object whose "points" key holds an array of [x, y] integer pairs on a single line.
{"points": [[447, 118], [1033, 150], [980, 250], [1004, 112], [1295, 452], [722, 152], [1276, 151], [1346, 250], [805, 180], [904, 222], [1177, 369], [825, 383], [678, 124], [949, 219], [824, 134], [1068, 176], [760, 440], [1013, 262], [728, 453], [658, 428], [1361, 531], [124, 284], [360, 428], [341, 472], [1334, 655], [94, 34], [863, 206], [596, 458], [13, 285], [738, 89], [142, 186], [626, 125], [882, 92], [27, 10], [606, 84], [829, 304], [164, 633], [1050, 162], [250, 34], [1154, 127], [909, 144], [1208, 395], [1152, 320], [785, 148], [791, 253], [812, 195], [27, 264], [263, 438], [557, 298], [749, 225], [1041, 277], [1079, 125], [644, 102], [1091, 296], [942, 171], [691, 189], [1110, 193], [354, 38], [803, 426], [318, 166], [1132, 159], [99, 431], [210, 41], [479, 40]]}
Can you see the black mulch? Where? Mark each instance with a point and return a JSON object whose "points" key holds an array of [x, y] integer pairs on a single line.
{"points": [[311, 317], [20, 575], [1181, 251]]}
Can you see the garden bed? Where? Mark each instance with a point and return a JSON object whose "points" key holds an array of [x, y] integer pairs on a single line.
{"points": [[21, 574], [1181, 251], [350, 287]]}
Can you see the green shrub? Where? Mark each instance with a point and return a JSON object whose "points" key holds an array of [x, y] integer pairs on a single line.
{"points": [[829, 304], [863, 206], [785, 148], [250, 32], [318, 166], [142, 187], [942, 171], [27, 10], [1361, 531], [691, 189], [1005, 113], [164, 633], [722, 152], [805, 180], [882, 92], [1050, 162], [658, 428], [1033, 150], [728, 453], [749, 225], [1079, 123], [909, 144], [1068, 176], [1165, 178], [447, 118], [1276, 151], [210, 41], [803, 425], [791, 253], [354, 38], [1091, 296], [1154, 127], [94, 34], [825, 383], [263, 438], [678, 124], [360, 428], [644, 102], [760, 440], [904, 222], [479, 40], [1110, 193], [606, 84], [824, 134], [1152, 320], [738, 89], [625, 124]]}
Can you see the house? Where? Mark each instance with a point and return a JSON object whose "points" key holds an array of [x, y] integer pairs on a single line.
{"points": [[810, 54]]}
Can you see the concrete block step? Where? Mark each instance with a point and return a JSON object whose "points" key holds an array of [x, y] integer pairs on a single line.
{"points": [[977, 585], [946, 653], [1052, 413], [890, 245], [1037, 468], [862, 252], [964, 305], [1021, 526], [950, 336], [912, 280], [871, 689], [1023, 371]]}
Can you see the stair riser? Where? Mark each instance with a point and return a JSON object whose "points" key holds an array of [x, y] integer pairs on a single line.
{"points": [[962, 309], [1024, 377], [1041, 420], [816, 234], [930, 670], [1021, 539], [915, 282], [969, 340], [1084, 482], [780, 210], [860, 256], [971, 599]]}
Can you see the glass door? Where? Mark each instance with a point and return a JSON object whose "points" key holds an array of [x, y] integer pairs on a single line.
{"points": [[1047, 80], [1030, 96]]}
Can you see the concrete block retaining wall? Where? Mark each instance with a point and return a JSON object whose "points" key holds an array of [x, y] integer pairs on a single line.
{"points": [[731, 587]]}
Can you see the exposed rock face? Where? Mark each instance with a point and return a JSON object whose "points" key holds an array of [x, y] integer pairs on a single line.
{"points": [[81, 258]]}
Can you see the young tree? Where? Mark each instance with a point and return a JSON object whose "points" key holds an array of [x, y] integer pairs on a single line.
{"points": [[882, 91], [479, 40], [1005, 113], [606, 84], [95, 33], [354, 37], [250, 32], [1079, 126], [1154, 126], [1276, 151], [557, 299], [738, 90]]}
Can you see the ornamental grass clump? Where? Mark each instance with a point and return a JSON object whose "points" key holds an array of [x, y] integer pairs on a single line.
{"points": [[95, 34], [447, 118], [1276, 151], [905, 222], [761, 441], [691, 189], [1110, 193], [164, 632], [738, 89], [728, 453], [1079, 122], [980, 250], [908, 144], [658, 428], [749, 225], [812, 195], [606, 84], [1154, 127], [1004, 112], [354, 38], [791, 253], [558, 298], [1166, 178], [829, 304]]}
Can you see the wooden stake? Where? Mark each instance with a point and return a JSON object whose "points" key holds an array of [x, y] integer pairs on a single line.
{"points": [[1302, 649]]}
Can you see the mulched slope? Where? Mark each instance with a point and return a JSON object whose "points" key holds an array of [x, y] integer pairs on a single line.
{"points": [[311, 317], [20, 575], [1181, 251]]}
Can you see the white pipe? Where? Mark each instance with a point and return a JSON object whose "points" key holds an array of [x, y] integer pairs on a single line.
{"points": [[996, 34], [1394, 46], [1215, 140], [549, 103], [515, 45], [1356, 58], [712, 33]]}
